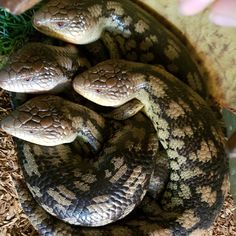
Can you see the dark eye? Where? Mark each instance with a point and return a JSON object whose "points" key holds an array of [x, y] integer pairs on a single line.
{"points": [[60, 24]]}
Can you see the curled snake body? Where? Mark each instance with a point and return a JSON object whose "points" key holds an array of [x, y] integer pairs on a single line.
{"points": [[191, 137], [186, 126], [81, 193]]}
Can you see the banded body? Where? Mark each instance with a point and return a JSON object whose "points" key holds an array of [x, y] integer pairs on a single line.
{"points": [[92, 192], [134, 34], [43, 166], [169, 52], [187, 130]]}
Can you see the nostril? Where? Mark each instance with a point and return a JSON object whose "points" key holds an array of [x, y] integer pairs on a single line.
{"points": [[4, 78], [6, 123], [38, 19], [11, 121], [36, 22]]}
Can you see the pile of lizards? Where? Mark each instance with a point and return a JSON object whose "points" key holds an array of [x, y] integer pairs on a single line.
{"points": [[159, 172]]}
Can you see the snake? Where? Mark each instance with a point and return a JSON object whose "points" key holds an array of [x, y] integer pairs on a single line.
{"points": [[128, 31], [198, 178], [185, 126], [50, 121], [79, 192]]}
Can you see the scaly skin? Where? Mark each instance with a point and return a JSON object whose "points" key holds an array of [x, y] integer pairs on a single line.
{"points": [[41, 68], [187, 130], [134, 34], [50, 120], [146, 40], [95, 192], [115, 183]]}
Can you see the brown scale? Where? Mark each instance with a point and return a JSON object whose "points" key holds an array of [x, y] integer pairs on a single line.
{"points": [[195, 200], [168, 49]]}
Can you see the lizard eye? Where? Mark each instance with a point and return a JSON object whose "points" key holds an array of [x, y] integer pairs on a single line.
{"points": [[60, 24]]}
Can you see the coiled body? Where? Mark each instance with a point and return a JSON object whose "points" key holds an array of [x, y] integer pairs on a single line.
{"points": [[187, 130], [95, 192], [195, 146]]}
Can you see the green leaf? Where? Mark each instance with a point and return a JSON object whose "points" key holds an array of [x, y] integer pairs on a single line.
{"points": [[14, 31]]}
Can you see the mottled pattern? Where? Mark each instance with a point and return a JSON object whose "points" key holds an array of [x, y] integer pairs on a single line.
{"points": [[137, 36], [198, 162], [79, 192]]}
